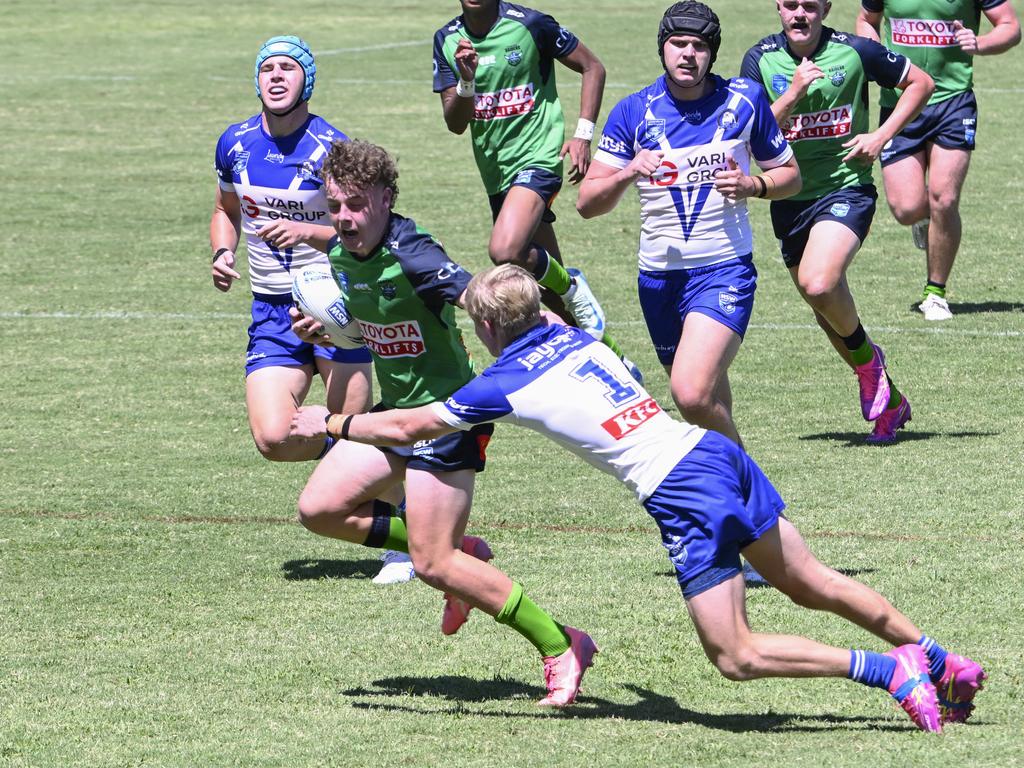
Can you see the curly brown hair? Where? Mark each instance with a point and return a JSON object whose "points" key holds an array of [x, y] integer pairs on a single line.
{"points": [[360, 164]]}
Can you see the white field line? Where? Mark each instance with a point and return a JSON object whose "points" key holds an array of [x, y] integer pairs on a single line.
{"points": [[379, 47], [944, 330], [371, 81]]}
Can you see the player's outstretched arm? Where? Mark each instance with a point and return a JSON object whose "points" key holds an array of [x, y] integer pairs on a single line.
{"points": [[401, 426], [225, 226], [586, 63]]}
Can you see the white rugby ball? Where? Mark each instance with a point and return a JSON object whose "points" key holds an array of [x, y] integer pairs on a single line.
{"points": [[318, 295]]}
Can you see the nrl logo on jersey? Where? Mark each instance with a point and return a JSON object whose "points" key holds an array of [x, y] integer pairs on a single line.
{"points": [[727, 302], [241, 161], [779, 84], [654, 129]]}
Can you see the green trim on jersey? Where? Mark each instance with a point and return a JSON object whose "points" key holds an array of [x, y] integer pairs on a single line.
{"points": [[518, 121], [402, 296], [922, 30]]}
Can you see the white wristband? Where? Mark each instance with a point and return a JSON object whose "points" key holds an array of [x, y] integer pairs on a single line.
{"points": [[584, 129], [465, 88]]}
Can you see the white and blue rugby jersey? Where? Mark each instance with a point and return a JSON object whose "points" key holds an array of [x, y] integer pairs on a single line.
{"points": [[559, 381], [276, 177], [685, 222]]}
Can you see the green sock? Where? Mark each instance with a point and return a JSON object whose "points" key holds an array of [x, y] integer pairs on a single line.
{"points": [[533, 623], [609, 342], [386, 531], [398, 536], [556, 278], [862, 354], [932, 288], [894, 396]]}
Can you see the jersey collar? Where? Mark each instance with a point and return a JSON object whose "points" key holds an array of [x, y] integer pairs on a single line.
{"points": [[826, 35]]}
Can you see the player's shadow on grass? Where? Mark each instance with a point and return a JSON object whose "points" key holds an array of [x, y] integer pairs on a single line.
{"points": [[651, 707], [857, 439], [979, 307], [315, 570]]}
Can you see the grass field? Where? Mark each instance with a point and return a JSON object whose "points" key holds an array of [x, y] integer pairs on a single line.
{"points": [[160, 606]]}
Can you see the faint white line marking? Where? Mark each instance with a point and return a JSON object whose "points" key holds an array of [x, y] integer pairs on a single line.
{"points": [[380, 47]]}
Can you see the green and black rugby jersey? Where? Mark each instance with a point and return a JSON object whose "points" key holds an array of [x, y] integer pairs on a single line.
{"points": [[403, 296], [835, 107], [517, 119], [924, 32]]}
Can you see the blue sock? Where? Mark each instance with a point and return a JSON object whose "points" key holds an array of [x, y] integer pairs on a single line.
{"points": [[328, 444], [872, 669], [936, 657]]}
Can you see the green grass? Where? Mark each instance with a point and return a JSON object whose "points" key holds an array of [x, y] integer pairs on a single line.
{"points": [[160, 606]]}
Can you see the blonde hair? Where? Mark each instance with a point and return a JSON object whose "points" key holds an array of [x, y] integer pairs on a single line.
{"points": [[507, 297]]}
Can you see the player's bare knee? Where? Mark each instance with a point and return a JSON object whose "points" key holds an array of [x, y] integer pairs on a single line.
{"points": [[908, 214], [315, 509], [810, 596], [308, 512], [738, 664], [695, 404], [272, 444], [817, 289], [943, 201], [503, 253], [431, 569]]}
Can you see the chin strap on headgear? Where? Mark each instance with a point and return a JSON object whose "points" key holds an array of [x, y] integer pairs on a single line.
{"points": [[294, 48], [690, 18]]}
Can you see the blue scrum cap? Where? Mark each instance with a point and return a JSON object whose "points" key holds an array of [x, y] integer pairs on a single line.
{"points": [[294, 48]]}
